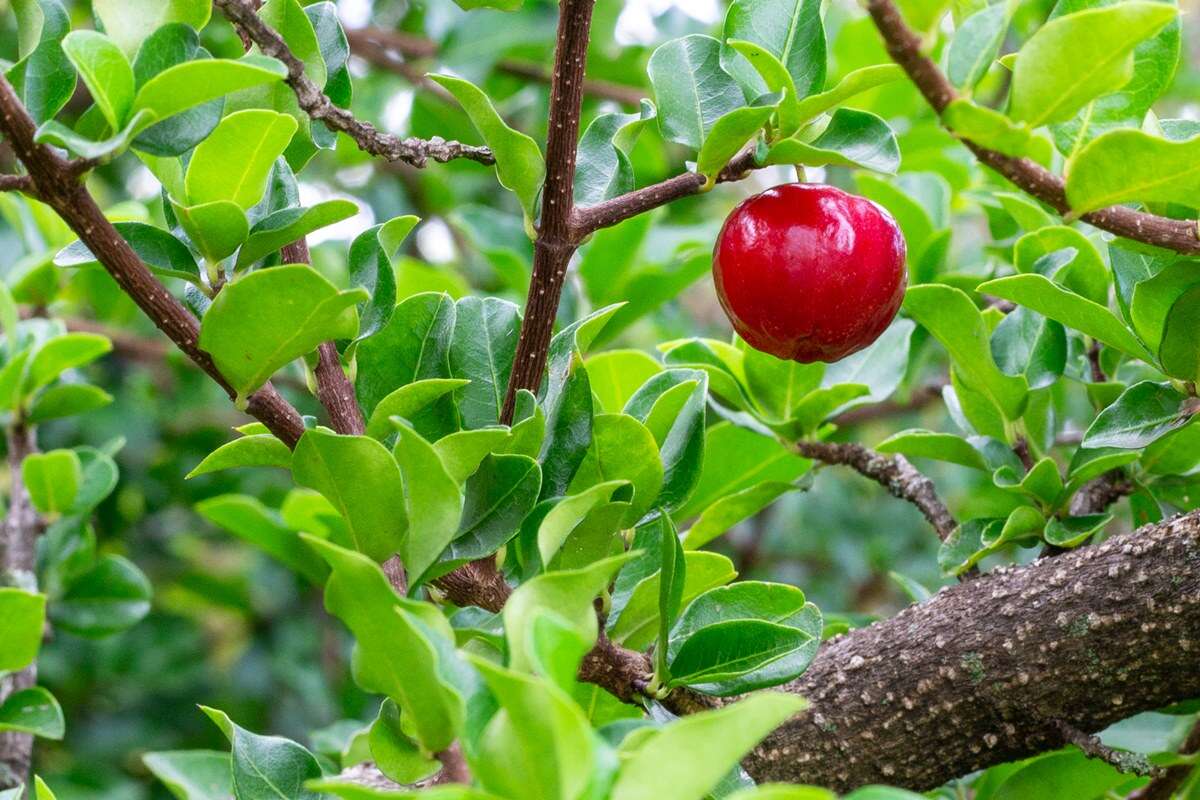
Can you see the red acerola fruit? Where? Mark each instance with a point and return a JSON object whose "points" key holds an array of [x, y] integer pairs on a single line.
{"points": [[809, 273]]}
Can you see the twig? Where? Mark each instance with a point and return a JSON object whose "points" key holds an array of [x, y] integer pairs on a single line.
{"points": [[454, 767], [384, 49], [919, 398], [1165, 785], [319, 107], [904, 46], [893, 473], [557, 237], [1092, 747], [1095, 496], [1093, 356], [59, 186], [16, 183]]}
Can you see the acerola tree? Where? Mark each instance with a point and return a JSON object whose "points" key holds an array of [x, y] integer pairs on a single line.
{"points": [[519, 512]]}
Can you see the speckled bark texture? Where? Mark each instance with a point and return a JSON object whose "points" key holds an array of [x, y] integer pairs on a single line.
{"points": [[985, 671]]}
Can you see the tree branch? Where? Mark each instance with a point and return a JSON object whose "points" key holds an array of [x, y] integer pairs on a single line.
{"points": [[58, 185], [557, 237], [313, 101], [391, 49], [919, 398], [893, 473], [904, 46], [16, 183], [1092, 747]]}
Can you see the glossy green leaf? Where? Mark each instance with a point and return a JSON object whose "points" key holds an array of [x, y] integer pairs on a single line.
{"points": [[615, 375], [498, 497], [685, 759], [638, 621], [129, 22], [105, 71], [432, 499], [880, 367], [266, 319], [415, 345], [1074, 531], [1060, 774], [287, 17], [1154, 295], [33, 711], [164, 254], [1066, 256], [778, 81], [928, 444], [1179, 350], [43, 77], [952, 318], [1144, 412], [851, 139], [481, 350], [854, 83], [1128, 165], [52, 480], [692, 89], [260, 450], [1040, 294], [371, 269], [216, 229], [737, 459], [193, 83], [234, 162], [1074, 59], [672, 405], [604, 170], [395, 754], [790, 30], [68, 351], [622, 449], [349, 789], [964, 547], [519, 163], [728, 136], [193, 774], [993, 130], [22, 623], [111, 597], [274, 231], [728, 511], [407, 401], [266, 767], [1028, 344], [362, 481], [975, 45], [67, 400], [397, 655], [248, 519]]}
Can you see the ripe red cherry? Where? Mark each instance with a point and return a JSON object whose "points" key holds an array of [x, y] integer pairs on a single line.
{"points": [[809, 273]]}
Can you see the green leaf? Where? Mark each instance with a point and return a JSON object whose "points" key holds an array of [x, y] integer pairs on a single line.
{"points": [[432, 499], [193, 774], [737, 459], [362, 480], [672, 580], [371, 269], [193, 83], [349, 789], [728, 136], [43, 78], [216, 229], [686, 759], [1066, 256], [940, 446], [413, 346], [267, 319], [52, 480], [33, 711], [975, 45], [67, 400], [1074, 531], [567, 594], [287, 17], [251, 521], [463, 451], [165, 255], [856, 82], [732, 509], [395, 753], [778, 81], [604, 170], [519, 163], [881, 367], [397, 654], [1144, 412], [964, 547], [1153, 297], [498, 496], [615, 375], [274, 231], [1077, 58], [622, 449], [851, 139], [407, 401], [1042, 295], [68, 351], [637, 623], [1042, 484], [481, 350], [1127, 165], [692, 89], [952, 318], [1179, 351], [1061, 774], [259, 450], [790, 30], [130, 22], [991, 129], [22, 624], [672, 405], [98, 480], [266, 767], [744, 637], [234, 162], [111, 597], [106, 72], [1028, 344], [42, 790]]}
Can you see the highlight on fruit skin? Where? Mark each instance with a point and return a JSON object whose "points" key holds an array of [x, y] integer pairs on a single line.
{"points": [[807, 272]]}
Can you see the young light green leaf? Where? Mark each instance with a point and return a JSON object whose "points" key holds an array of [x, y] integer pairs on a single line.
{"points": [[737, 459], [1179, 351], [287, 17], [193, 774], [728, 136], [1074, 59], [637, 623], [975, 45], [685, 759], [692, 89], [432, 499], [519, 163], [790, 30], [106, 72], [67, 400], [68, 351], [216, 229], [778, 81], [616, 374], [1128, 165], [192, 83], [856, 82], [43, 77], [362, 480], [130, 22], [732, 509], [1144, 412], [33, 711], [393, 750], [248, 519], [1042, 295], [22, 624], [260, 450], [52, 480], [234, 162], [268, 318], [407, 401], [928, 444], [991, 129], [1074, 531], [290, 224], [851, 139], [622, 449], [604, 170]]}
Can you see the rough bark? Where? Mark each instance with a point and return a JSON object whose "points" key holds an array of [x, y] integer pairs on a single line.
{"points": [[984, 672]]}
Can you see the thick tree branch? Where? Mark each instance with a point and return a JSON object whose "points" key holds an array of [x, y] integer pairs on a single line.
{"points": [[904, 46], [18, 562], [557, 238], [58, 185], [319, 107], [391, 50], [893, 473], [981, 673]]}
